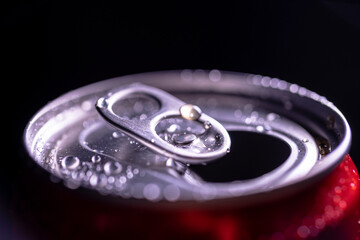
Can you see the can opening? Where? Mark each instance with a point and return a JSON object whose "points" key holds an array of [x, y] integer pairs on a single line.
{"points": [[253, 155]]}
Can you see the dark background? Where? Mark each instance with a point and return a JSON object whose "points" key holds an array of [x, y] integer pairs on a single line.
{"points": [[50, 48]]}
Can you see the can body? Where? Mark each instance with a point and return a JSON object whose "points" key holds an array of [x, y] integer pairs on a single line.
{"points": [[312, 193]]}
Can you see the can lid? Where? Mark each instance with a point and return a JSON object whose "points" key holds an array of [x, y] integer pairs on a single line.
{"points": [[283, 137]]}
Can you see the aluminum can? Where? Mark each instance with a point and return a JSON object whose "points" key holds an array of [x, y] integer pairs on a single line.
{"points": [[150, 158]]}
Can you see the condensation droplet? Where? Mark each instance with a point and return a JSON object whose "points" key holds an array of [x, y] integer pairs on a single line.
{"points": [[294, 88], [129, 175], [112, 168], [282, 85], [143, 116], [305, 140], [116, 134], [137, 190], [96, 158], [265, 82], [303, 231], [86, 106], [171, 193], [238, 113], [151, 192], [93, 180], [215, 75], [172, 128], [184, 138], [111, 179], [207, 125], [302, 91], [122, 179], [260, 128], [186, 75], [72, 184], [272, 116], [70, 162]]}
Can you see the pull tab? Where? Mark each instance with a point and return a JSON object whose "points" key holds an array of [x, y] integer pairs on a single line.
{"points": [[165, 124]]}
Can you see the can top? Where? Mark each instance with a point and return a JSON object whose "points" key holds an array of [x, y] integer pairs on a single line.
{"points": [[283, 137]]}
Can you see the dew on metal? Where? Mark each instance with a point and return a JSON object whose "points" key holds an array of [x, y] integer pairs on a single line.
{"points": [[70, 162], [172, 128], [152, 192], [112, 168], [207, 125], [171, 192], [184, 138], [96, 158]]}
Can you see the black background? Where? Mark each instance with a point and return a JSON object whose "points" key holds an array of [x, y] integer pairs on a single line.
{"points": [[52, 47]]}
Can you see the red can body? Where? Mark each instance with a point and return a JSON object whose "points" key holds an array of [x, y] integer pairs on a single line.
{"points": [[329, 209]]}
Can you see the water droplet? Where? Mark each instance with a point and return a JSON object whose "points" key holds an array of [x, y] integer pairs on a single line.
{"points": [[143, 116], [129, 175], [171, 193], [207, 125], [136, 171], [96, 158], [305, 140], [151, 192], [228, 150], [190, 112], [111, 179], [72, 184], [302, 91], [272, 116], [122, 179], [265, 82], [70, 162], [248, 120], [238, 113], [282, 85], [186, 75], [172, 128], [86, 106], [184, 138], [116, 134], [215, 75], [294, 88], [93, 180], [89, 173], [102, 103], [138, 107], [112, 168], [303, 231], [260, 128]]}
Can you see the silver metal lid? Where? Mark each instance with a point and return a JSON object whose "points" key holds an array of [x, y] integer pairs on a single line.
{"points": [[71, 140]]}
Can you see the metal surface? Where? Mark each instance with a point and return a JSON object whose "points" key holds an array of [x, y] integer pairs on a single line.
{"points": [[70, 140], [143, 127]]}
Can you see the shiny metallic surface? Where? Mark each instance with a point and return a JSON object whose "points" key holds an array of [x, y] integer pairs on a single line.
{"points": [[144, 128], [72, 141]]}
